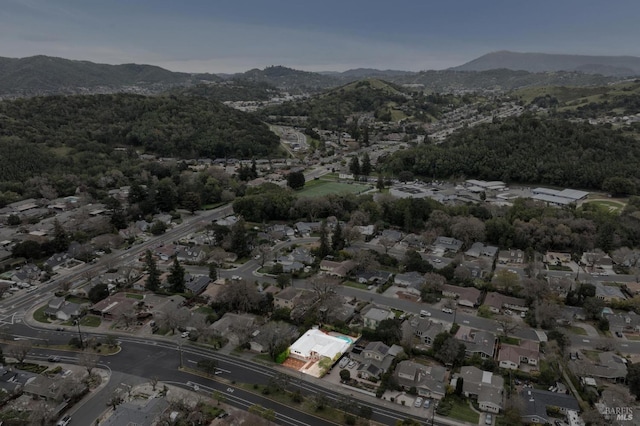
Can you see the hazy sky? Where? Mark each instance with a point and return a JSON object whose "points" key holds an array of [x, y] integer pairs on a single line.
{"points": [[222, 36]]}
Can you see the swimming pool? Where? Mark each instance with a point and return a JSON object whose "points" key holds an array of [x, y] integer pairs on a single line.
{"points": [[345, 338]]}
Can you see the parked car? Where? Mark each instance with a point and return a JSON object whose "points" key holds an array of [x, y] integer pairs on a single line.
{"points": [[343, 362], [447, 310], [185, 334], [53, 358], [418, 402], [427, 403], [618, 334], [424, 313], [64, 421], [351, 364], [488, 419]]}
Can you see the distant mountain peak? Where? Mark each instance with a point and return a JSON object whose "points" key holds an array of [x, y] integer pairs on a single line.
{"points": [[552, 62]]}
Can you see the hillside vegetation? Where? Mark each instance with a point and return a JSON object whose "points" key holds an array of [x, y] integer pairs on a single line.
{"points": [[528, 150], [232, 90], [33, 130]]}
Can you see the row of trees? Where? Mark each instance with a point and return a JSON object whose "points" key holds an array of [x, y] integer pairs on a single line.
{"points": [[528, 149]]}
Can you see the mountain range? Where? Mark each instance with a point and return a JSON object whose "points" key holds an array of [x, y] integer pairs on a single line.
{"points": [[545, 62], [44, 75]]}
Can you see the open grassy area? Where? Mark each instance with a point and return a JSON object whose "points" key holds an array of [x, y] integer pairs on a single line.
{"points": [[356, 285], [577, 330], [39, 315], [463, 412], [612, 205], [135, 296], [318, 188], [90, 321]]}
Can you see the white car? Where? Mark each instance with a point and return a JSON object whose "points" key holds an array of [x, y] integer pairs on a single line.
{"points": [[424, 313], [185, 334], [64, 421], [447, 310], [418, 402]]}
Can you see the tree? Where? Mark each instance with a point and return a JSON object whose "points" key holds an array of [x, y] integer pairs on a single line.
{"points": [[633, 379], [209, 366], [507, 280], [324, 249], [508, 325], [380, 183], [468, 229], [173, 318], [345, 375], [296, 180], [337, 240], [176, 277], [20, 350], [283, 280], [365, 168], [158, 227], [89, 361], [213, 271], [277, 336], [13, 220], [354, 167], [593, 307], [238, 239], [98, 292], [60, 241], [153, 274], [323, 287], [191, 201], [450, 352]]}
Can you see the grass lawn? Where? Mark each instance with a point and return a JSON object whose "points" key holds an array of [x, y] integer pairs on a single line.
{"points": [[355, 285], [318, 188], [577, 330], [135, 296], [612, 205], [90, 321], [39, 315], [461, 411], [207, 310]]}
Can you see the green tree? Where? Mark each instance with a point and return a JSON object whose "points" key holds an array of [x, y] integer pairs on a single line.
{"points": [[158, 227], [191, 201], [283, 280], [633, 379], [354, 167], [239, 241], [13, 220], [176, 277], [60, 241], [213, 271], [337, 239], [345, 375], [324, 249], [98, 292], [365, 168], [296, 180], [153, 274]]}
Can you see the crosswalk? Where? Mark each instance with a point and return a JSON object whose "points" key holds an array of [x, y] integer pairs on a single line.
{"points": [[14, 318]]}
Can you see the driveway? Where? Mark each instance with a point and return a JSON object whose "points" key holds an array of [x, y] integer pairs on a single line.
{"points": [[588, 328]]}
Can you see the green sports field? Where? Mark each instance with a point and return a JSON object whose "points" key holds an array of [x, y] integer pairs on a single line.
{"points": [[318, 188]]}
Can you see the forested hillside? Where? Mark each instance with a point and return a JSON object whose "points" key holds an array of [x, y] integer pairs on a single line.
{"points": [[527, 150], [38, 135], [232, 90]]}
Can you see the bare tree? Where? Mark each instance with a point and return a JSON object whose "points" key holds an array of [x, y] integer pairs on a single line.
{"points": [[462, 273], [218, 255], [386, 243], [535, 289], [89, 361], [263, 252], [324, 287], [277, 337], [174, 318], [507, 324], [240, 296], [507, 280], [20, 350], [545, 313], [351, 234], [365, 260], [593, 258]]}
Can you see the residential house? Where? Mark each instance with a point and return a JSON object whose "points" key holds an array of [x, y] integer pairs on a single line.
{"points": [[428, 380], [291, 297], [375, 359], [609, 293], [496, 302], [337, 269], [391, 235], [556, 258], [479, 250], [413, 280], [263, 336], [537, 403], [511, 257], [187, 254], [512, 356], [374, 277], [629, 321], [465, 296], [237, 328], [307, 228], [58, 261], [478, 342], [483, 386], [114, 306], [413, 241], [196, 284], [375, 315], [315, 345], [632, 288], [446, 244], [424, 328]]}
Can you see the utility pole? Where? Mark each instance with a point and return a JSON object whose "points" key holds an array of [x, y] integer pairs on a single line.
{"points": [[79, 333]]}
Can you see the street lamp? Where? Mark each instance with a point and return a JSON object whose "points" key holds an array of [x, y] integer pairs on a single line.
{"points": [[433, 412]]}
